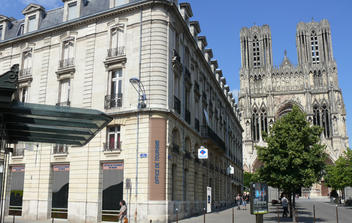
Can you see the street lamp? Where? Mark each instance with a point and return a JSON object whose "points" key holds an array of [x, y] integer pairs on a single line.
{"points": [[139, 87]]}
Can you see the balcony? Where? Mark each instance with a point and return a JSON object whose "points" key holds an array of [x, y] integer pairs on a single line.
{"points": [[212, 138], [18, 152], [188, 116], [196, 124], [112, 147], [60, 149], [25, 74], [175, 148], [176, 62], [66, 66], [113, 101], [65, 63], [64, 104], [116, 52], [177, 105], [115, 55]]}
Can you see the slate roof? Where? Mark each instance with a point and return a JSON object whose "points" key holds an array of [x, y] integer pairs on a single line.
{"points": [[54, 17]]}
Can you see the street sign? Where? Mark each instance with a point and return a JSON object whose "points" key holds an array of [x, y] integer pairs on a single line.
{"points": [[202, 153], [259, 198], [143, 155], [208, 199]]}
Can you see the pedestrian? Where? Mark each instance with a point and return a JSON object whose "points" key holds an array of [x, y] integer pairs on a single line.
{"points": [[238, 201], [123, 212], [284, 203], [244, 201]]}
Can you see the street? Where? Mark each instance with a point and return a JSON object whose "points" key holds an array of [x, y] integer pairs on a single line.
{"points": [[325, 212]]}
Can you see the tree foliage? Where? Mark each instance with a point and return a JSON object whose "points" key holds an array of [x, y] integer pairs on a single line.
{"points": [[248, 178], [293, 157], [339, 175]]}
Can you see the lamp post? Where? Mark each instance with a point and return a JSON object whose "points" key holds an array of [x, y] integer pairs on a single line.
{"points": [[139, 87]]}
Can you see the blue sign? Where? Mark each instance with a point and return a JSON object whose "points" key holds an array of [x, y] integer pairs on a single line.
{"points": [[143, 155]]}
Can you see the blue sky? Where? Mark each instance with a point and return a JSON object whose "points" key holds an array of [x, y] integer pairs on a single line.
{"points": [[221, 21]]}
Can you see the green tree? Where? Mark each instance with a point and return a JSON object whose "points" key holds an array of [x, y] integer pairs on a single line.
{"points": [[293, 157], [248, 178], [339, 175]]}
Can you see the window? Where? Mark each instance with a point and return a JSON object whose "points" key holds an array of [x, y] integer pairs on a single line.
{"points": [[263, 120], [321, 117], [114, 142], [72, 12], [315, 48], [64, 97], [256, 54], [23, 94], [67, 54], [121, 2], [255, 125], [1, 29], [117, 45], [116, 88], [26, 63], [20, 30], [32, 23]]}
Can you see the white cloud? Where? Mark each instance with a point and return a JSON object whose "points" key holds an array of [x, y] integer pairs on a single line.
{"points": [[48, 4]]}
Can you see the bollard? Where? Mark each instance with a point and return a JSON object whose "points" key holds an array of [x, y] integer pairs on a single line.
{"points": [[13, 220], [52, 220], [314, 213], [204, 216], [233, 215], [278, 214], [176, 215], [151, 221], [294, 214], [337, 214]]}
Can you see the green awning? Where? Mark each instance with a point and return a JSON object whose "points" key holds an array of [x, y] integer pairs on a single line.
{"points": [[44, 123], [51, 124]]}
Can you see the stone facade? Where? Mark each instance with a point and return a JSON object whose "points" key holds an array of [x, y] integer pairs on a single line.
{"points": [[84, 55], [268, 92]]}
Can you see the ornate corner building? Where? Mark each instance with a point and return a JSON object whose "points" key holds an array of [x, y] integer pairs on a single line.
{"points": [[268, 92]]}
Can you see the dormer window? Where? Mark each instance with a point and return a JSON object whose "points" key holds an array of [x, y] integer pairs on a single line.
{"points": [[20, 30], [1, 30], [72, 12], [121, 2], [32, 23]]}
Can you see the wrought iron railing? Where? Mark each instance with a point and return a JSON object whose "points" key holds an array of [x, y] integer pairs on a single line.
{"points": [[113, 101], [69, 62], [112, 147], [115, 52], [64, 104], [177, 105], [60, 149], [26, 72], [188, 116], [18, 152], [207, 132]]}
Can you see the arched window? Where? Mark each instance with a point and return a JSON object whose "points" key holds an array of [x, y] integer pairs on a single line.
{"points": [[263, 120], [255, 125], [315, 47], [321, 117], [256, 52]]}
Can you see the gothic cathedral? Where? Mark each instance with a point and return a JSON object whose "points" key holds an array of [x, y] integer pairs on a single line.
{"points": [[268, 92]]}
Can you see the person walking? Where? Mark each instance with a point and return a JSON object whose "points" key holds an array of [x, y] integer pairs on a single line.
{"points": [[244, 201], [123, 212], [284, 203], [238, 201]]}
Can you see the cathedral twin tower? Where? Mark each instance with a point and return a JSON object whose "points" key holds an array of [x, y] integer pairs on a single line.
{"points": [[268, 92]]}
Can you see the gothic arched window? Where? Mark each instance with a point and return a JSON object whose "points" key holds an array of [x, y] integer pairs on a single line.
{"points": [[321, 118], [263, 120], [315, 47], [255, 125], [256, 52]]}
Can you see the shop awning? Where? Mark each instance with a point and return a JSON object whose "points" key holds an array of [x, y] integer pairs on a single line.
{"points": [[45, 123]]}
